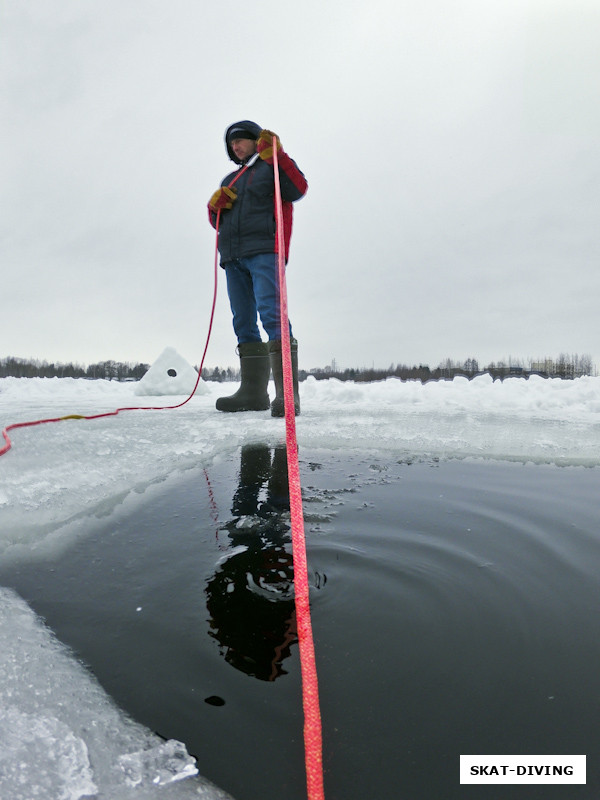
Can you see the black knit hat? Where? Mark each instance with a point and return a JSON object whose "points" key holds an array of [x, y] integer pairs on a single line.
{"points": [[239, 133]]}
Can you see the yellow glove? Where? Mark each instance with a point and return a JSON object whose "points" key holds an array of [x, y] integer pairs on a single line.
{"points": [[264, 146], [222, 199]]}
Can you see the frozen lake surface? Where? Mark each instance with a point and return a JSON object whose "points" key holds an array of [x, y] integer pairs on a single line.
{"points": [[452, 535]]}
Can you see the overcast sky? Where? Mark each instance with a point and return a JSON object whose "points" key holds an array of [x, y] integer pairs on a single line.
{"points": [[451, 149]]}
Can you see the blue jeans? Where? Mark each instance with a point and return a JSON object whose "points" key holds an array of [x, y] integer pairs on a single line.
{"points": [[253, 289]]}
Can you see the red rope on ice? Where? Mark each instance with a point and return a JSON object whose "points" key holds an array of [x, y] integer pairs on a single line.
{"points": [[16, 425], [313, 738]]}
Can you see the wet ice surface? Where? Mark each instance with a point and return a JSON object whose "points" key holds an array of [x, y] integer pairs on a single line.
{"points": [[451, 598], [57, 472]]}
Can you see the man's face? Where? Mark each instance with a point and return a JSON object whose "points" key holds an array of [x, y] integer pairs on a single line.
{"points": [[243, 148]]}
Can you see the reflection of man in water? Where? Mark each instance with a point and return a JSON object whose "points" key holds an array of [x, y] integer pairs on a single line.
{"points": [[250, 598]]}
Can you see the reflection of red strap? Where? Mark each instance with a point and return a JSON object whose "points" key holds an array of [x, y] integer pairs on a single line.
{"points": [[313, 739]]}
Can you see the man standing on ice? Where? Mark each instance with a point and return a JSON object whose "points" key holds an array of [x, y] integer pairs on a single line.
{"points": [[248, 252]]}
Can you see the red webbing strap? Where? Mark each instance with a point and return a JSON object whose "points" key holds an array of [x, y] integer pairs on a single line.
{"points": [[313, 738]]}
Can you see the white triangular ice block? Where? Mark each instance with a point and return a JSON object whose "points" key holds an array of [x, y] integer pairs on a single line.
{"points": [[170, 374]]}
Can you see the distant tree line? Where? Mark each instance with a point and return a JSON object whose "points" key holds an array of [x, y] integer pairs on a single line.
{"points": [[220, 374], [107, 370], [565, 366]]}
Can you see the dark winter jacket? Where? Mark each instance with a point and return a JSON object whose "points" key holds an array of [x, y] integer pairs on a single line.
{"points": [[249, 227]]}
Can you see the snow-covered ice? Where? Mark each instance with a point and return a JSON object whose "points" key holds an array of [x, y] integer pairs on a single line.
{"points": [[58, 476]]}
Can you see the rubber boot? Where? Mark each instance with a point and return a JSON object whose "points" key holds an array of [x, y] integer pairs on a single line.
{"points": [[255, 471], [255, 370], [278, 489], [277, 406]]}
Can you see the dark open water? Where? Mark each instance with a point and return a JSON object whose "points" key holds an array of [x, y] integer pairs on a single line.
{"points": [[455, 610]]}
